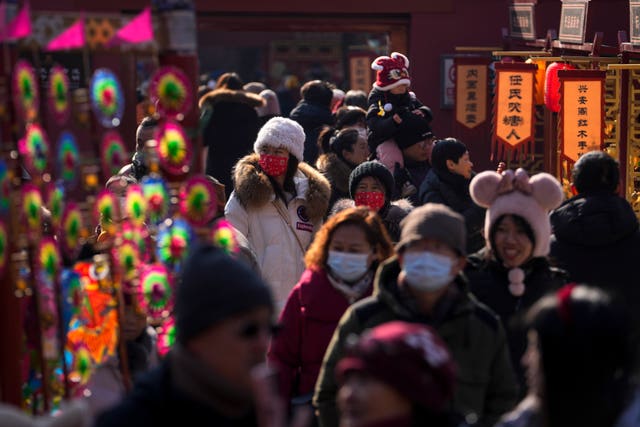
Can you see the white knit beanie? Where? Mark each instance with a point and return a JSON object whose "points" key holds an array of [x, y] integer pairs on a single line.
{"points": [[281, 132]]}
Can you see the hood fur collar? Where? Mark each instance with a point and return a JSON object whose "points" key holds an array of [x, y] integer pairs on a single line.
{"points": [[336, 170], [228, 95], [254, 190]]}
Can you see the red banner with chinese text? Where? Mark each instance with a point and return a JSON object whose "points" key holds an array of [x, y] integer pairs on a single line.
{"points": [[581, 112], [471, 91], [514, 109]]}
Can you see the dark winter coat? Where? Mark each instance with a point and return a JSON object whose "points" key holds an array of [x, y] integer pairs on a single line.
{"points": [[486, 384], [489, 282], [312, 118], [231, 130], [597, 241], [157, 400], [413, 173], [391, 214], [308, 321], [451, 189], [380, 123], [337, 172]]}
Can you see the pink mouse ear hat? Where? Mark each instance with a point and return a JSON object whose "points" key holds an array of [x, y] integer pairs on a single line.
{"points": [[531, 198]]}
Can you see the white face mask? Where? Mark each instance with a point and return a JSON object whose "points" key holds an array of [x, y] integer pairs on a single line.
{"points": [[426, 271], [347, 266]]}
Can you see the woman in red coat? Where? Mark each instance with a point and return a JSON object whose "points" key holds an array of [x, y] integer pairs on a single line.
{"points": [[341, 264]]}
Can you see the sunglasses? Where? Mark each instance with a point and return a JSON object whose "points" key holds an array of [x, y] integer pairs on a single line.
{"points": [[252, 330]]}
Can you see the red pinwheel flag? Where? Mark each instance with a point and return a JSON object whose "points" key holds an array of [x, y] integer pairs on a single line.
{"points": [[71, 38], [20, 27], [139, 30]]}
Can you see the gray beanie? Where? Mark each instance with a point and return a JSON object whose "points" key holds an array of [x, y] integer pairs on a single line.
{"points": [[434, 221], [215, 287]]}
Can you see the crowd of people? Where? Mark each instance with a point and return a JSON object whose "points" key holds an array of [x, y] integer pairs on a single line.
{"points": [[383, 282]]}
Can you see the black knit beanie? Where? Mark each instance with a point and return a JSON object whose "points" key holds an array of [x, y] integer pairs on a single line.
{"points": [[412, 130], [446, 149], [376, 170], [215, 287]]}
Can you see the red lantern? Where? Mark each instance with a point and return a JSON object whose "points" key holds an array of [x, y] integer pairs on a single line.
{"points": [[552, 85]]}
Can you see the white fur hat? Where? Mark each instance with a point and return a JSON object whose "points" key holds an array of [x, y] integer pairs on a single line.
{"points": [[281, 132]]}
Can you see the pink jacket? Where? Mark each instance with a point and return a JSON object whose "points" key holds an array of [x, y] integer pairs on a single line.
{"points": [[309, 318]]}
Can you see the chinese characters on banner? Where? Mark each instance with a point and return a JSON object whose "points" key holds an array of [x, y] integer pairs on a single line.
{"points": [[513, 119], [360, 73], [471, 91], [581, 112]]}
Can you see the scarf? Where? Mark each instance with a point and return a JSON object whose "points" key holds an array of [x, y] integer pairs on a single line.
{"points": [[352, 291]]}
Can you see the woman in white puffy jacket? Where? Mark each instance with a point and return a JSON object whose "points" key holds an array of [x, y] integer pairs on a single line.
{"points": [[278, 203]]}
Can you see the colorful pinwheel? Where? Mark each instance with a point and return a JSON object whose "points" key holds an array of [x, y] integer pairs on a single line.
{"points": [[107, 99], [156, 193], [34, 149], [71, 229], [135, 205], [81, 364], [55, 203], [172, 245], [113, 154], [156, 292], [224, 237], [4, 247], [171, 91], [59, 94], [174, 149], [127, 259], [32, 207], [166, 336], [139, 236], [198, 201], [49, 261], [5, 188], [106, 210], [68, 157], [26, 96]]}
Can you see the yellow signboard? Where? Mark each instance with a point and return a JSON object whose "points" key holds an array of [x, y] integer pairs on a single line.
{"points": [[471, 94], [582, 112], [514, 104]]}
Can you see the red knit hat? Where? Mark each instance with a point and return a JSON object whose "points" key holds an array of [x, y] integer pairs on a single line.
{"points": [[391, 70], [409, 357]]}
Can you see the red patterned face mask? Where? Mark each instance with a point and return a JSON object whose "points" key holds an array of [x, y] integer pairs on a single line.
{"points": [[374, 200], [273, 165]]}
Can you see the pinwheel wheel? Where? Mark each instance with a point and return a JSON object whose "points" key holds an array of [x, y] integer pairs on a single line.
{"points": [[174, 149], [171, 91], [156, 293], [198, 201], [26, 96], [59, 94], [68, 157], [34, 149], [107, 99]]}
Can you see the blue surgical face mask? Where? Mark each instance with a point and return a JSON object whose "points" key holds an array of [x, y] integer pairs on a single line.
{"points": [[348, 266], [427, 271]]}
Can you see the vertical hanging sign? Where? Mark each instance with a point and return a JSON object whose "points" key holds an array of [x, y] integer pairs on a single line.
{"points": [[471, 91], [581, 112], [513, 118]]}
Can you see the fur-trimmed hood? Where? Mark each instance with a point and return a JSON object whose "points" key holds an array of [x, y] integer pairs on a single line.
{"points": [[253, 188], [336, 170], [229, 95]]}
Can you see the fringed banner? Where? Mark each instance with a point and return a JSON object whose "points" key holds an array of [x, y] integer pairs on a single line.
{"points": [[581, 119], [514, 110], [471, 91]]}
